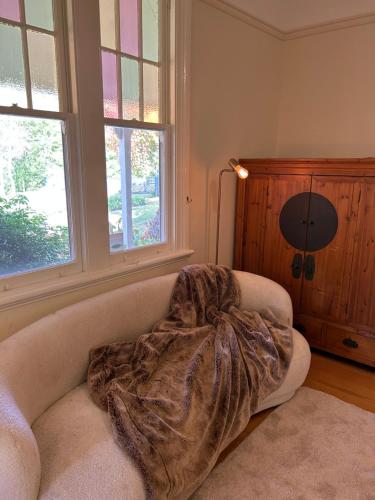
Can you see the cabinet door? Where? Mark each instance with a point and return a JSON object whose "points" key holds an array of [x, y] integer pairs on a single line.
{"points": [[327, 295], [278, 254], [254, 225], [363, 295]]}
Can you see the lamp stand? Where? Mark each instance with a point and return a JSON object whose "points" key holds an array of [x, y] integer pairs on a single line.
{"points": [[218, 213]]}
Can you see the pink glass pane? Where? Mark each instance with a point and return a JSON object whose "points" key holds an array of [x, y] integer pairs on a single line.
{"points": [[129, 26], [110, 96], [10, 9]]}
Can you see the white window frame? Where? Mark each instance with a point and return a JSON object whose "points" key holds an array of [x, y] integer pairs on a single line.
{"points": [[164, 126], [86, 182], [54, 271]]}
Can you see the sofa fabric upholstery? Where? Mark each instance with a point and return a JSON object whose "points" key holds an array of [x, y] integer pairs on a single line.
{"points": [[47, 360]]}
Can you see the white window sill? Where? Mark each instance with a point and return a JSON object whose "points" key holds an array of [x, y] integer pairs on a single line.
{"points": [[32, 293]]}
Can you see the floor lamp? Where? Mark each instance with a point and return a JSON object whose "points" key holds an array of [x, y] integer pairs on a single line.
{"points": [[242, 173]]}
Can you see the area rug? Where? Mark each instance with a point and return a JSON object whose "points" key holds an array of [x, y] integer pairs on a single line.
{"points": [[313, 447]]}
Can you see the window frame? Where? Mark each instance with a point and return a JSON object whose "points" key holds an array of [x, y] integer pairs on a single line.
{"points": [[163, 125], [86, 178], [54, 271]]}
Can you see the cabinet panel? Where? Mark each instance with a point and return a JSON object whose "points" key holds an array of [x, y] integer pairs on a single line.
{"points": [[363, 304], [327, 295], [255, 219], [278, 254], [348, 343]]}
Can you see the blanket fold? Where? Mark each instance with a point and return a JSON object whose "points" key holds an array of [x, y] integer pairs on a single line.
{"points": [[180, 394]]}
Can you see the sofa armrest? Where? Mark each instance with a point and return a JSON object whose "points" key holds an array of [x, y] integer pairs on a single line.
{"points": [[259, 293], [19, 459]]}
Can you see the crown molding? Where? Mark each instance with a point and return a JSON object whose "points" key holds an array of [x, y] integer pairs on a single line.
{"points": [[349, 22], [243, 16]]}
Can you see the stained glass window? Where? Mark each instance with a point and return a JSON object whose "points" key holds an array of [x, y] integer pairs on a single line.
{"points": [[132, 39], [132, 87], [28, 61]]}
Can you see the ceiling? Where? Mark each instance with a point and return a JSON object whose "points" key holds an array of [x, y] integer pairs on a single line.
{"points": [[293, 15]]}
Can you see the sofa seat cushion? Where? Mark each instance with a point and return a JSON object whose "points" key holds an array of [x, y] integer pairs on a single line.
{"points": [[79, 457]]}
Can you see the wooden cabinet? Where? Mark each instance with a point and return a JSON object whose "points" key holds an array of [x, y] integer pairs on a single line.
{"points": [[331, 280]]}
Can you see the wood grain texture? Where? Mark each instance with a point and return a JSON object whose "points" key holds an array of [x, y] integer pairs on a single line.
{"points": [[278, 254], [339, 302], [255, 223], [328, 294], [362, 312]]}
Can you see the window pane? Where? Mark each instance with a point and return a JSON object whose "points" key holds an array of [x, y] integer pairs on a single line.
{"points": [[150, 29], [129, 26], [133, 183], [151, 93], [130, 88], [39, 13], [42, 58], [10, 9], [33, 207], [12, 73], [108, 24], [109, 69]]}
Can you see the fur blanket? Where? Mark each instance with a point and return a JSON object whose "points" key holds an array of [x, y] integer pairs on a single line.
{"points": [[179, 395]]}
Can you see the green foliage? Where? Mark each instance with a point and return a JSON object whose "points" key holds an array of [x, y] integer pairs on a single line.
{"points": [[138, 200], [26, 240], [144, 151], [29, 149], [114, 202]]}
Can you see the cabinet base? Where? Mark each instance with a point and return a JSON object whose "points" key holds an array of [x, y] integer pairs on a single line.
{"points": [[344, 341]]}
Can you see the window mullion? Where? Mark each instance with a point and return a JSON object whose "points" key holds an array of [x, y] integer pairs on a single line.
{"points": [[118, 58], [25, 50], [140, 52], [63, 70], [88, 105]]}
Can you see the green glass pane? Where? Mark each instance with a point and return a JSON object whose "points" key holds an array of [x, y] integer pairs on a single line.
{"points": [[39, 13], [151, 93], [150, 29], [42, 58], [130, 88], [12, 73], [108, 24]]}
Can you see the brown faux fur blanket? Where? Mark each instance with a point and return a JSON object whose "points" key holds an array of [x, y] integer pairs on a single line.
{"points": [[179, 395]]}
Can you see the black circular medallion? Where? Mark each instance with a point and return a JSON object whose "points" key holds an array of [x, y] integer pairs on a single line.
{"points": [[308, 221]]}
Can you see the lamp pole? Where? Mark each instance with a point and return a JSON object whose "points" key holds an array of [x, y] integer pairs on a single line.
{"points": [[218, 213], [233, 166]]}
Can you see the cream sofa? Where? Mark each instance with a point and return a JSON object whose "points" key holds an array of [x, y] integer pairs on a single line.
{"points": [[54, 442]]}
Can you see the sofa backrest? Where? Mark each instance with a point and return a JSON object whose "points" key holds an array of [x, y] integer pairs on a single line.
{"points": [[49, 358]]}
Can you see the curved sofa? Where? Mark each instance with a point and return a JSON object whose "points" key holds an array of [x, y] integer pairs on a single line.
{"points": [[54, 442]]}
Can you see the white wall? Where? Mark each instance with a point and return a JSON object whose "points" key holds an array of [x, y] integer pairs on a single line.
{"points": [[235, 95], [327, 105]]}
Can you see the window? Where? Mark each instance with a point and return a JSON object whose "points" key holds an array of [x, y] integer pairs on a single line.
{"points": [[35, 228], [89, 149], [135, 118]]}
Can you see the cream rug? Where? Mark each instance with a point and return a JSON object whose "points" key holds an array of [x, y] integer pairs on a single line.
{"points": [[313, 447]]}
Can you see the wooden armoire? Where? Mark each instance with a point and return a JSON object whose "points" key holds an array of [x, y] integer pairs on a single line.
{"points": [[309, 224]]}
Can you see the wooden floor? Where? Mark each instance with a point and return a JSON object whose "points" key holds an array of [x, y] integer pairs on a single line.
{"points": [[343, 379]]}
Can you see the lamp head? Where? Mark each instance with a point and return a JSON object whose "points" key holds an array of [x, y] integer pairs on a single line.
{"points": [[240, 171]]}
